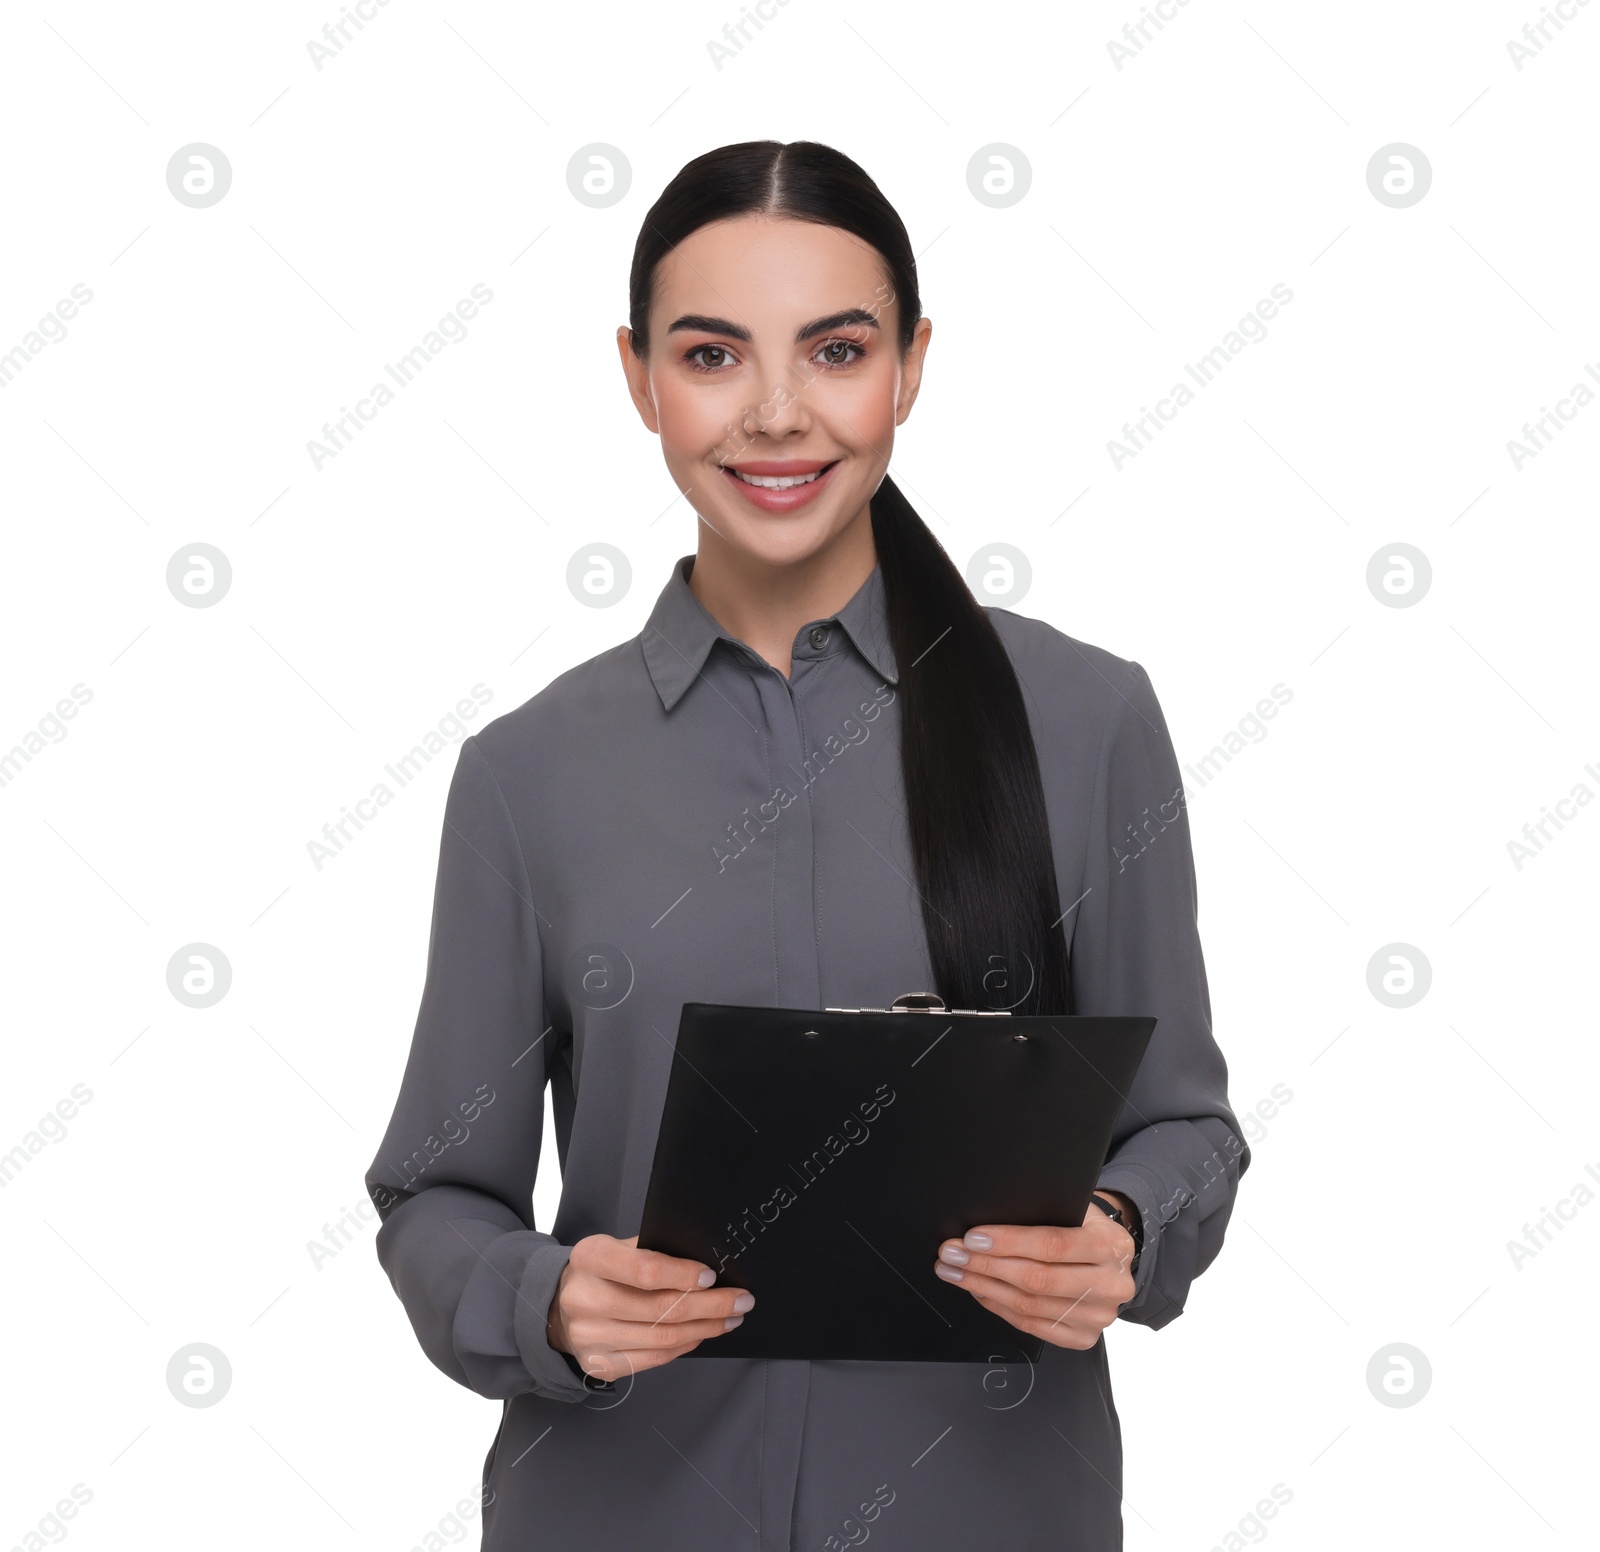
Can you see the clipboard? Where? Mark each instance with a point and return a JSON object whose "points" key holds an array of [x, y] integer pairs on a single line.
{"points": [[819, 1158]]}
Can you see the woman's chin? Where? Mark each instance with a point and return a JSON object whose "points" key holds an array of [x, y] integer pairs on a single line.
{"points": [[776, 541], [777, 538]]}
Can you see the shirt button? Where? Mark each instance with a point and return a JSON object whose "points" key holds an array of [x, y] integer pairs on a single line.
{"points": [[819, 637]]}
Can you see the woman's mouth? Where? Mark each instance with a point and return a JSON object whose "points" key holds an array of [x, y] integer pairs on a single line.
{"points": [[780, 485]]}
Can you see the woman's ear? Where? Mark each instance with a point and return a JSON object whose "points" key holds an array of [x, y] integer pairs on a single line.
{"points": [[638, 377], [911, 370]]}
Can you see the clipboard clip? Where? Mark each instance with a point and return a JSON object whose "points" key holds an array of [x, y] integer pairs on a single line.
{"points": [[925, 1002]]}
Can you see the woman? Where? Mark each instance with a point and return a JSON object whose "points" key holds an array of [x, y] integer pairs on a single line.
{"points": [[822, 775]]}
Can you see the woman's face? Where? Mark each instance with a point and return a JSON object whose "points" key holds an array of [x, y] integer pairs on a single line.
{"points": [[774, 380]]}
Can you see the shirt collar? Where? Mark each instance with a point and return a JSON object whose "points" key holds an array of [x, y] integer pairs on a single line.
{"points": [[680, 632]]}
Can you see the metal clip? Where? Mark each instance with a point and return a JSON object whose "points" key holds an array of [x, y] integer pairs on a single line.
{"points": [[925, 1002]]}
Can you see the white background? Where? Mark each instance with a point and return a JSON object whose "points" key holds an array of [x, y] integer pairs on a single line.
{"points": [[368, 597]]}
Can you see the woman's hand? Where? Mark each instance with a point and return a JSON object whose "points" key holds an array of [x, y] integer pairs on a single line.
{"points": [[1060, 1284], [619, 1309]]}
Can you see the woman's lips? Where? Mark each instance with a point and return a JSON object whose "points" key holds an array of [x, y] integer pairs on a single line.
{"points": [[788, 484]]}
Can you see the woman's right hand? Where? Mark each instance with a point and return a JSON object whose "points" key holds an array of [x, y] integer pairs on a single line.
{"points": [[619, 1309]]}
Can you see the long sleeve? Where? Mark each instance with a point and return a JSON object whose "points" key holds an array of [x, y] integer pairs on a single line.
{"points": [[1176, 1152], [453, 1179]]}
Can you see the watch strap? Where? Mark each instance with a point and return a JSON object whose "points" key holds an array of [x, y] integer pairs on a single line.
{"points": [[1111, 1210]]}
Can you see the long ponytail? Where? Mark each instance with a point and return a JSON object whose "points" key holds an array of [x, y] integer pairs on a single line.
{"points": [[980, 835]]}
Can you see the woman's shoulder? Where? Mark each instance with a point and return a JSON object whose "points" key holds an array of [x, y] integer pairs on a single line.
{"points": [[589, 707], [1068, 675]]}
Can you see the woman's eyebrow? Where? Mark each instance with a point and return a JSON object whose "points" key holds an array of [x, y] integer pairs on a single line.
{"points": [[835, 321], [701, 323]]}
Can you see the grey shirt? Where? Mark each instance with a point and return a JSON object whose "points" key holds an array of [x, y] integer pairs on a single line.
{"points": [[675, 821]]}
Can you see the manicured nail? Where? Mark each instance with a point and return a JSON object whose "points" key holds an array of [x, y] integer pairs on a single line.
{"points": [[949, 1273], [707, 1277], [954, 1255], [732, 1321], [977, 1241], [745, 1301]]}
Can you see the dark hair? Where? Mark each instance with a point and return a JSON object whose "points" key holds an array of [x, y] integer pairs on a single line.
{"points": [[980, 836]]}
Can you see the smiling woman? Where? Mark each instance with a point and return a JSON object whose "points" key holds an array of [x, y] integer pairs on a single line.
{"points": [[775, 343], [800, 231]]}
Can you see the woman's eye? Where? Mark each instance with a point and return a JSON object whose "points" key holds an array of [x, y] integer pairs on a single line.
{"points": [[836, 353], [708, 350]]}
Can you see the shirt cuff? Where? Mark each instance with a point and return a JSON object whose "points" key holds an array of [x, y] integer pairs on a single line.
{"points": [[499, 1334], [555, 1373]]}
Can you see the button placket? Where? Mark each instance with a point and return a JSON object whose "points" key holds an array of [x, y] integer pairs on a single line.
{"points": [[798, 975]]}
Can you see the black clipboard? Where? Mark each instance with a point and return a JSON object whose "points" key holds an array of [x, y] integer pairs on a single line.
{"points": [[819, 1158]]}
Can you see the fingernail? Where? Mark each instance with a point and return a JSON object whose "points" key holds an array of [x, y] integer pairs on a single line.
{"points": [[954, 1255], [732, 1321], [949, 1273], [745, 1301], [977, 1241], [707, 1277]]}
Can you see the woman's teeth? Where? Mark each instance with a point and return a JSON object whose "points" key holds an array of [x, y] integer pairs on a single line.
{"points": [[780, 481]]}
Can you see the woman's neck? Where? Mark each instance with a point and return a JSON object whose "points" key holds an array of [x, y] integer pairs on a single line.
{"points": [[765, 605]]}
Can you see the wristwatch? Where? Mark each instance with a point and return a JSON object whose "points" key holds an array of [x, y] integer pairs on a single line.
{"points": [[1136, 1229]]}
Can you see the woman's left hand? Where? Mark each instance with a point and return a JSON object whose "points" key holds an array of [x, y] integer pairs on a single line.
{"points": [[1057, 1283]]}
